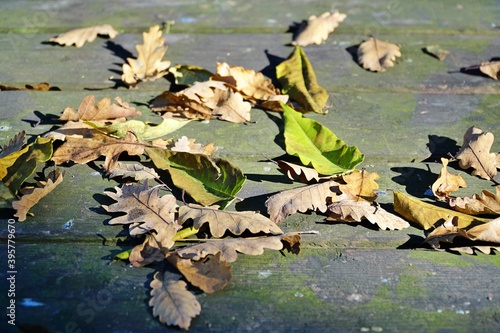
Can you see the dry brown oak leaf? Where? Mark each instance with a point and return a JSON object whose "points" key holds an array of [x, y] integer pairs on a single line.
{"points": [[360, 185], [88, 144], [485, 204], [103, 110], [184, 144], [491, 68], [210, 274], [148, 65], [80, 36], [32, 195], [137, 171], [172, 302], [475, 153], [316, 29], [299, 172], [376, 55], [221, 221], [301, 199], [42, 86], [254, 86], [446, 182], [348, 210]]}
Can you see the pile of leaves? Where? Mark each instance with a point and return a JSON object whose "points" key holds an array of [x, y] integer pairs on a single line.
{"points": [[165, 226]]}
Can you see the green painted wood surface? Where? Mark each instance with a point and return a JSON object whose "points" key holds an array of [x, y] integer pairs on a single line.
{"points": [[349, 278]]}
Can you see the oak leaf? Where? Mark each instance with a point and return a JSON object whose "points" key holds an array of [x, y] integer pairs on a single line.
{"points": [[475, 153], [316, 29], [487, 203], [32, 195], [136, 171], [491, 68], [349, 210], [80, 36], [317, 145], [446, 183], [210, 273], [151, 250], [230, 106], [144, 131], [94, 144], [172, 302], [184, 144], [42, 86], [149, 65], [104, 110], [301, 199], [376, 55], [427, 215], [221, 221], [299, 81], [360, 185], [254, 86], [187, 75], [300, 172]]}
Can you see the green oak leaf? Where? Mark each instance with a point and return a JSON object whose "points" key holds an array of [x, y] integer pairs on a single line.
{"points": [[25, 163], [316, 145], [187, 75], [206, 179], [298, 80], [144, 131]]}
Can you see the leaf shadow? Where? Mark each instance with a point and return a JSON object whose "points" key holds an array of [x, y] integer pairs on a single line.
{"points": [[121, 53], [417, 181], [414, 241], [353, 52], [441, 147], [270, 70], [255, 203], [474, 69], [280, 137]]}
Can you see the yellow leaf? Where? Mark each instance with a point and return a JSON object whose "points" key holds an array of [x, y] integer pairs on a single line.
{"points": [[148, 65], [316, 29], [83, 35], [376, 55], [487, 203], [446, 183], [491, 68], [427, 215], [360, 185]]}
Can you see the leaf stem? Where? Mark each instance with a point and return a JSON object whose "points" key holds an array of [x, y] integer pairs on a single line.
{"points": [[184, 233]]}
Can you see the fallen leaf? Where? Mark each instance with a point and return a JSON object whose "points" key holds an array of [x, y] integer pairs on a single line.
{"points": [[180, 105], [33, 195], [254, 86], [145, 210], [485, 204], [230, 106], [11, 152], [42, 86], [172, 302], [491, 68], [316, 145], [291, 242], [19, 165], [104, 110], [360, 185], [206, 179], [221, 221], [316, 29], [300, 172], [150, 251], [427, 215], [94, 144], [143, 131], [230, 247], [437, 51], [149, 65], [446, 183], [376, 55], [184, 144], [298, 80], [301, 199], [475, 153], [83, 35], [187, 75], [210, 273], [137, 171], [349, 210]]}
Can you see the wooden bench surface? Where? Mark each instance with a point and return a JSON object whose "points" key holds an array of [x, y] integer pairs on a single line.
{"points": [[350, 277]]}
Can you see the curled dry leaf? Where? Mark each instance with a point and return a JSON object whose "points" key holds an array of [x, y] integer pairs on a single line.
{"points": [[80, 36], [104, 110], [300, 172], [221, 221], [360, 185], [31, 196], [149, 251], [311, 197], [149, 65], [189, 146], [446, 183], [491, 68], [137, 171], [475, 153], [376, 55], [349, 210], [42, 86], [210, 273], [316, 29], [436, 51], [485, 204], [172, 302], [187, 75]]}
